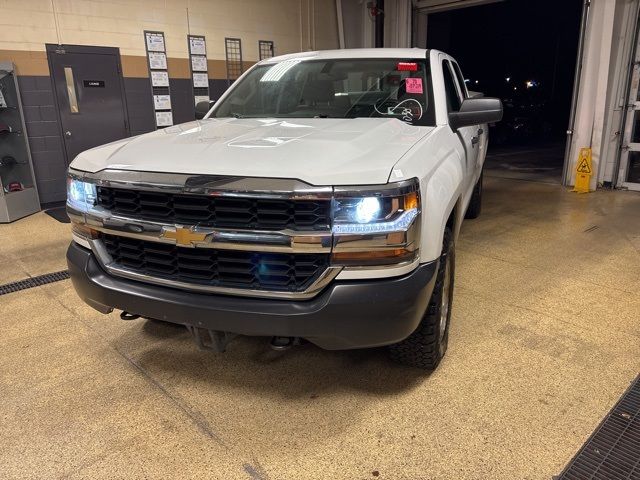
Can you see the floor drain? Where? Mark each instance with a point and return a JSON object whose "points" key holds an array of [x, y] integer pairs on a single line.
{"points": [[613, 450], [33, 282]]}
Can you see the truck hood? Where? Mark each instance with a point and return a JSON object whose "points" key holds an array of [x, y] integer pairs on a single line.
{"points": [[319, 151]]}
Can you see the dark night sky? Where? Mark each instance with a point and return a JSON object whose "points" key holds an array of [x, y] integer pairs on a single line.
{"points": [[522, 39]]}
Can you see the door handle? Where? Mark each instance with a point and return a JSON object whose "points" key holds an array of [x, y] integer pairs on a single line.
{"points": [[67, 133]]}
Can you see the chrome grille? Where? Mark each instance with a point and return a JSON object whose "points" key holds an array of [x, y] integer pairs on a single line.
{"points": [[217, 211], [217, 267]]}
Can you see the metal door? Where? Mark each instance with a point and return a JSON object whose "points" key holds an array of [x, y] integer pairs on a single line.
{"points": [[629, 173], [89, 93]]}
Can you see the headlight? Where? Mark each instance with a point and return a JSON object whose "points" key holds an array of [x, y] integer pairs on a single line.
{"points": [[376, 225], [81, 196], [371, 211]]}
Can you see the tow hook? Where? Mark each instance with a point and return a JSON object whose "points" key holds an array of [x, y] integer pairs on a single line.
{"points": [[211, 339], [283, 343], [129, 316]]}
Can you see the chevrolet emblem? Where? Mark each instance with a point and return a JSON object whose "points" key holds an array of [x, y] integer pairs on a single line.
{"points": [[183, 236]]}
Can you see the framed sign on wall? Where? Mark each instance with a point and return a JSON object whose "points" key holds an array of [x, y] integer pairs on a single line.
{"points": [[159, 77], [199, 68]]}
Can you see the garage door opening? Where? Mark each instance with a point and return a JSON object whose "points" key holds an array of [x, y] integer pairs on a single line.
{"points": [[524, 53]]}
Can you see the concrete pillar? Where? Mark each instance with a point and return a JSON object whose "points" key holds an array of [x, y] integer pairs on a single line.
{"points": [[590, 109], [397, 23], [601, 94], [420, 19], [357, 24]]}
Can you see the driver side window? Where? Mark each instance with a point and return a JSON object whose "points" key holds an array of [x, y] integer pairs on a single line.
{"points": [[460, 78], [453, 97]]}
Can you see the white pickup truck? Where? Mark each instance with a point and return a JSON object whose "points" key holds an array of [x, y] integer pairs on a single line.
{"points": [[320, 198]]}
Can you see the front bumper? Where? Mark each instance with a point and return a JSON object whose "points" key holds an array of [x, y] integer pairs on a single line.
{"points": [[347, 314]]}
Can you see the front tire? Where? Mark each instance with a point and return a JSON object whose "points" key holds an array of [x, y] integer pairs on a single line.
{"points": [[426, 346]]}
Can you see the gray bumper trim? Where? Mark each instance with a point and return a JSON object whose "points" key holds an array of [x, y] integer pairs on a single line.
{"points": [[347, 314]]}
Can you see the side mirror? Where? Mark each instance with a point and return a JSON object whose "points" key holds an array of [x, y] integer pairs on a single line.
{"points": [[475, 111], [202, 108]]}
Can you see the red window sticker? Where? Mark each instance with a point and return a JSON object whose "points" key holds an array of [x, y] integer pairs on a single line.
{"points": [[413, 85]]}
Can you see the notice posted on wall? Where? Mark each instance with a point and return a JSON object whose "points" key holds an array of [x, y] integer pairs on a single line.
{"points": [[201, 98], [155, 42], [200, 80], [199, 63], [157, 61], [197, 46], [164, 119], [159, 79], [162, 102]]}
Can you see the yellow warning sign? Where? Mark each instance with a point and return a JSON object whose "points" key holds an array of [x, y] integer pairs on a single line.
{"points": [[583, 166], [583, 171]]}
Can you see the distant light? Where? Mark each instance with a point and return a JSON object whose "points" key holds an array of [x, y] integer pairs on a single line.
{"points": [[477, 82], [515, 88], [531, 83], [466, 80], [508, 79]]}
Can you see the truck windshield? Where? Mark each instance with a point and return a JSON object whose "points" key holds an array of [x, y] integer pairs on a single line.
{"points": [[349, 88]]}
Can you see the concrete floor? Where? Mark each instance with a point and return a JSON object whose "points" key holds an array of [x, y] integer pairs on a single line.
{"points": [[542, 163], [545, 338]]}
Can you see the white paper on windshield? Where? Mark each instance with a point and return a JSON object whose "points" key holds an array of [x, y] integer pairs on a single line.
{"points": [[201, 80], [157, 61]]}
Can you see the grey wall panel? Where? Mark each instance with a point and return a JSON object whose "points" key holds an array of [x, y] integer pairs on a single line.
{"points": [[182, 101], [43, 128], [56, 191], [217, 88], [44, 137], [37, 97], [139, 105]]}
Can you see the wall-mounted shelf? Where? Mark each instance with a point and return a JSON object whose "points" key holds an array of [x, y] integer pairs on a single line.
{"points": [[18, 191]]}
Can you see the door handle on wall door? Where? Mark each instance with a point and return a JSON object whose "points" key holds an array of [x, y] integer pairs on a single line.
{"points": [[67, 133]]}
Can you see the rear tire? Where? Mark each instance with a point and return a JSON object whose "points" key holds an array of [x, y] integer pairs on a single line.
{"points": [[475, 205], [426, 346]]}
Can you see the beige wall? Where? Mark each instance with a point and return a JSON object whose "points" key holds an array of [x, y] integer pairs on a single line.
{"points": [[293, 25]]}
